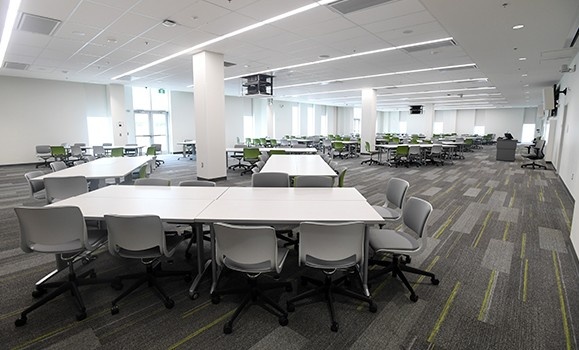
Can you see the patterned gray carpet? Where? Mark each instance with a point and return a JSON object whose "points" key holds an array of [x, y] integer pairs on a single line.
{"points": [[498, 242]]}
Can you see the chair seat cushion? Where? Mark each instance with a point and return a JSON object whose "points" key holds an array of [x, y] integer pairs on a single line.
{"points": [[259, 267], [316, 263], [387, 213], [392, 241]]}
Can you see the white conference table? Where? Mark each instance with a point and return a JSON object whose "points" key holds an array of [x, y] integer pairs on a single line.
{"points": [[267, 149], [171, 203], [103, 168], [241, 205], [298, 164], [289, 205]]}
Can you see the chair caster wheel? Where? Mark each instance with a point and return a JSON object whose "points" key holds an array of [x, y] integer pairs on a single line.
{"points": [[373, 308], [283, 321], [290, 307], [81, 316], [215, 299], [227, 328], [21, 321], [38, 293], [434, 281], [114, 310], [169, 303], [288, 288], [334, 327], [194, 295], [413, 297], [407, 260]]}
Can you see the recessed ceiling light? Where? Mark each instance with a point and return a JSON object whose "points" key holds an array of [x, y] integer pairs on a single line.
{"points": [[518, 26], [522, 58], [524, 75], [112, 40]]}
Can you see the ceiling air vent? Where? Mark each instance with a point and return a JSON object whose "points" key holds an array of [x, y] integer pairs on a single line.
{"points": [[348, 6], [38, 24], [15, 65], [431, 46]]}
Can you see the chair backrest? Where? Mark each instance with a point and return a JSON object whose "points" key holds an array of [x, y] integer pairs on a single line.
{"points": [[158, 147], [539, 149], [58, 151], [58, 165], [59, 188], [149, 181], [331, 245], [43, 149], [313, 181], [415, 215], [136, 236], [402, 150], [35, 185], [197, 183], [251, 249], [259, 164], [270, 180], [75, 151], [107, 144], [78, 162], [117, 152], [251, 154], [396, 192], [52, 229], [98, 151], [277, 151], [342, 176], [151, 151]]}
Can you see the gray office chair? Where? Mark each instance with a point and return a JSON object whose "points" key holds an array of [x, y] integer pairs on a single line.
{"points": [[58, 165], [238, 156], [61, 231], [535, 156], [98, 151], [330, 247], [313, 181], [131, 150], [251, 250], [149, 181], [45, 153], [36, 186], [158, 150], [272, 179], [396, 190], [59, 188], [409, 241], [75, 153], [142, 237]]}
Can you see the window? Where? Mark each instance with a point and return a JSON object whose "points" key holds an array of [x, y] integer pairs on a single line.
{"points": [[151, 113], [357, 126], [311, 122], [528, 133], [324, 125], [296, 120], [248, 126]]}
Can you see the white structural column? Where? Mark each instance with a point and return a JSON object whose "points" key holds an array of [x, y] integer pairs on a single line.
{"points": [[209, 98], [368, 127], [428, 113], [270, 116], [118, 113]]}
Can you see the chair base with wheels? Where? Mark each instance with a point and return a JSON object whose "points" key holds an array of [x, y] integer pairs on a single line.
{"points": [[534, 165], [254, 293], [328, 288], [397, 266], [150, 277], [71, 285]]}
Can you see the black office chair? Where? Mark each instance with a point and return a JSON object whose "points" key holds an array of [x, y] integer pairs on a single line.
{"points": [[535, 156]]}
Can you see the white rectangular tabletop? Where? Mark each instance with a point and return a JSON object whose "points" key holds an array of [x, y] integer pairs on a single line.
{"points": [[161, 192], [292, 194], [103, 168], [168, 209], [289, 211], [296, 165], [267, 149]]}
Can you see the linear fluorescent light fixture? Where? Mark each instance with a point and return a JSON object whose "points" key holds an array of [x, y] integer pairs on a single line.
{"points": [[358, 54], [8, 26], [229, 35], [378, 75]]}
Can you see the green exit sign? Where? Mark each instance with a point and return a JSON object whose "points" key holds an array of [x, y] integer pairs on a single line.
{"points": [[161, 91]]}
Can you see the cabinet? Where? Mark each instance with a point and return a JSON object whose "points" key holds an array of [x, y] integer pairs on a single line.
{"points": [[258, 84], [506, 150]]}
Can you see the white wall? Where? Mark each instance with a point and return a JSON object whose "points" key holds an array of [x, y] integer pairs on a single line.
{"points": [[182, 119], [36, 111]]}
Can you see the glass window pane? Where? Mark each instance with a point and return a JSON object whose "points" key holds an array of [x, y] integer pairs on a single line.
{"points": [[142, 124], [159, 124]]}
